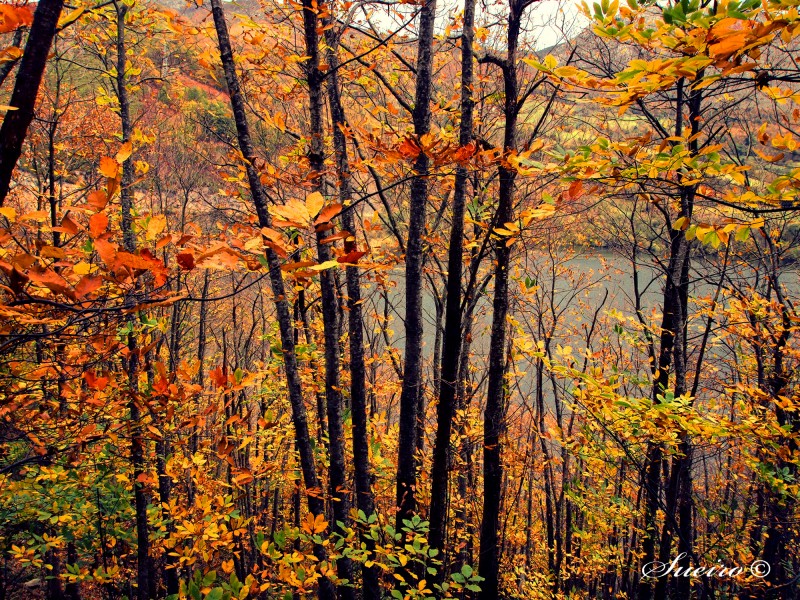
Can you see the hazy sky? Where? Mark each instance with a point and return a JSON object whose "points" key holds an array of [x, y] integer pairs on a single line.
{"points": [[548, 22]]}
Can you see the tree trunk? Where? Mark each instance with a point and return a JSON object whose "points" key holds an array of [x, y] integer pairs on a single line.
{"points": [[337, 477], [412, 371], [365, 500], [144, 582], [452, 326], [26, 87], [494, 415], [299, 416]]}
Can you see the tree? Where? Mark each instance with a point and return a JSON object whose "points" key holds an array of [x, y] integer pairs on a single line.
{"points": [[26, 86]]}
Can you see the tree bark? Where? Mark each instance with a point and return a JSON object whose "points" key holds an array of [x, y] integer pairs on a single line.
{"points": [[144, 582], [365, 500], [337, 476], [259, 196], [452, 325], [412, 364], [26, 88], [494, 414]]}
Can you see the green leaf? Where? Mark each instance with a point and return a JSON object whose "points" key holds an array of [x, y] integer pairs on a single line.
{"points": [[215, 594]]}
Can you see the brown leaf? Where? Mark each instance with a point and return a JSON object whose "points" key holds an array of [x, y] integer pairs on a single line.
{"points": [[185, 260]]}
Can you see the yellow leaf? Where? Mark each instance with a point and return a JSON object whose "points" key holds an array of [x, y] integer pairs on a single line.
{"points": [[124, 152], [681, 224], [328, 264], [82, 268], [155, 226], [70, 18], [9, 213], [294, 210], [314, 204]]}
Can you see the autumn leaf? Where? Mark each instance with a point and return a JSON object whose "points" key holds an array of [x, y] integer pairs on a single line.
{"points": [[68, 226], [328, 213], [328, 264], [185, 260], [314, 203], [107, 251], [87, 285], [98, 224], [155, 226], [109, 167], [313, 524], [12, 17], [94, 382], [351, 257], [124, 152], [769, 157], [97, 200], [409, 149], [51, 280], [295, 213]]}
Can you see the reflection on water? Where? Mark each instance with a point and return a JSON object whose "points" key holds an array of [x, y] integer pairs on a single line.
{"points": [[559, 297]]}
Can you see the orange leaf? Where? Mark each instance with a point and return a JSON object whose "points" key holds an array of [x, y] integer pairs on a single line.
{"points": [[409, 149], [94, 382], [769, 157], [52, 281], [12, 17], [328, 213], [106, 250], [97, 200], [68, 226], [465, 152], [342, 235], [109, 167], [124, 153], [98, 224], [87, 285]]}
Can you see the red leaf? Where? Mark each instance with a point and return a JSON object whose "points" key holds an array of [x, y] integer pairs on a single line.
{"points": [[576, 189], [52, 281], [409, 149], [185, 260], [94, 382], [218, 377], [351, 257], [97, 200], [68, 226]]}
